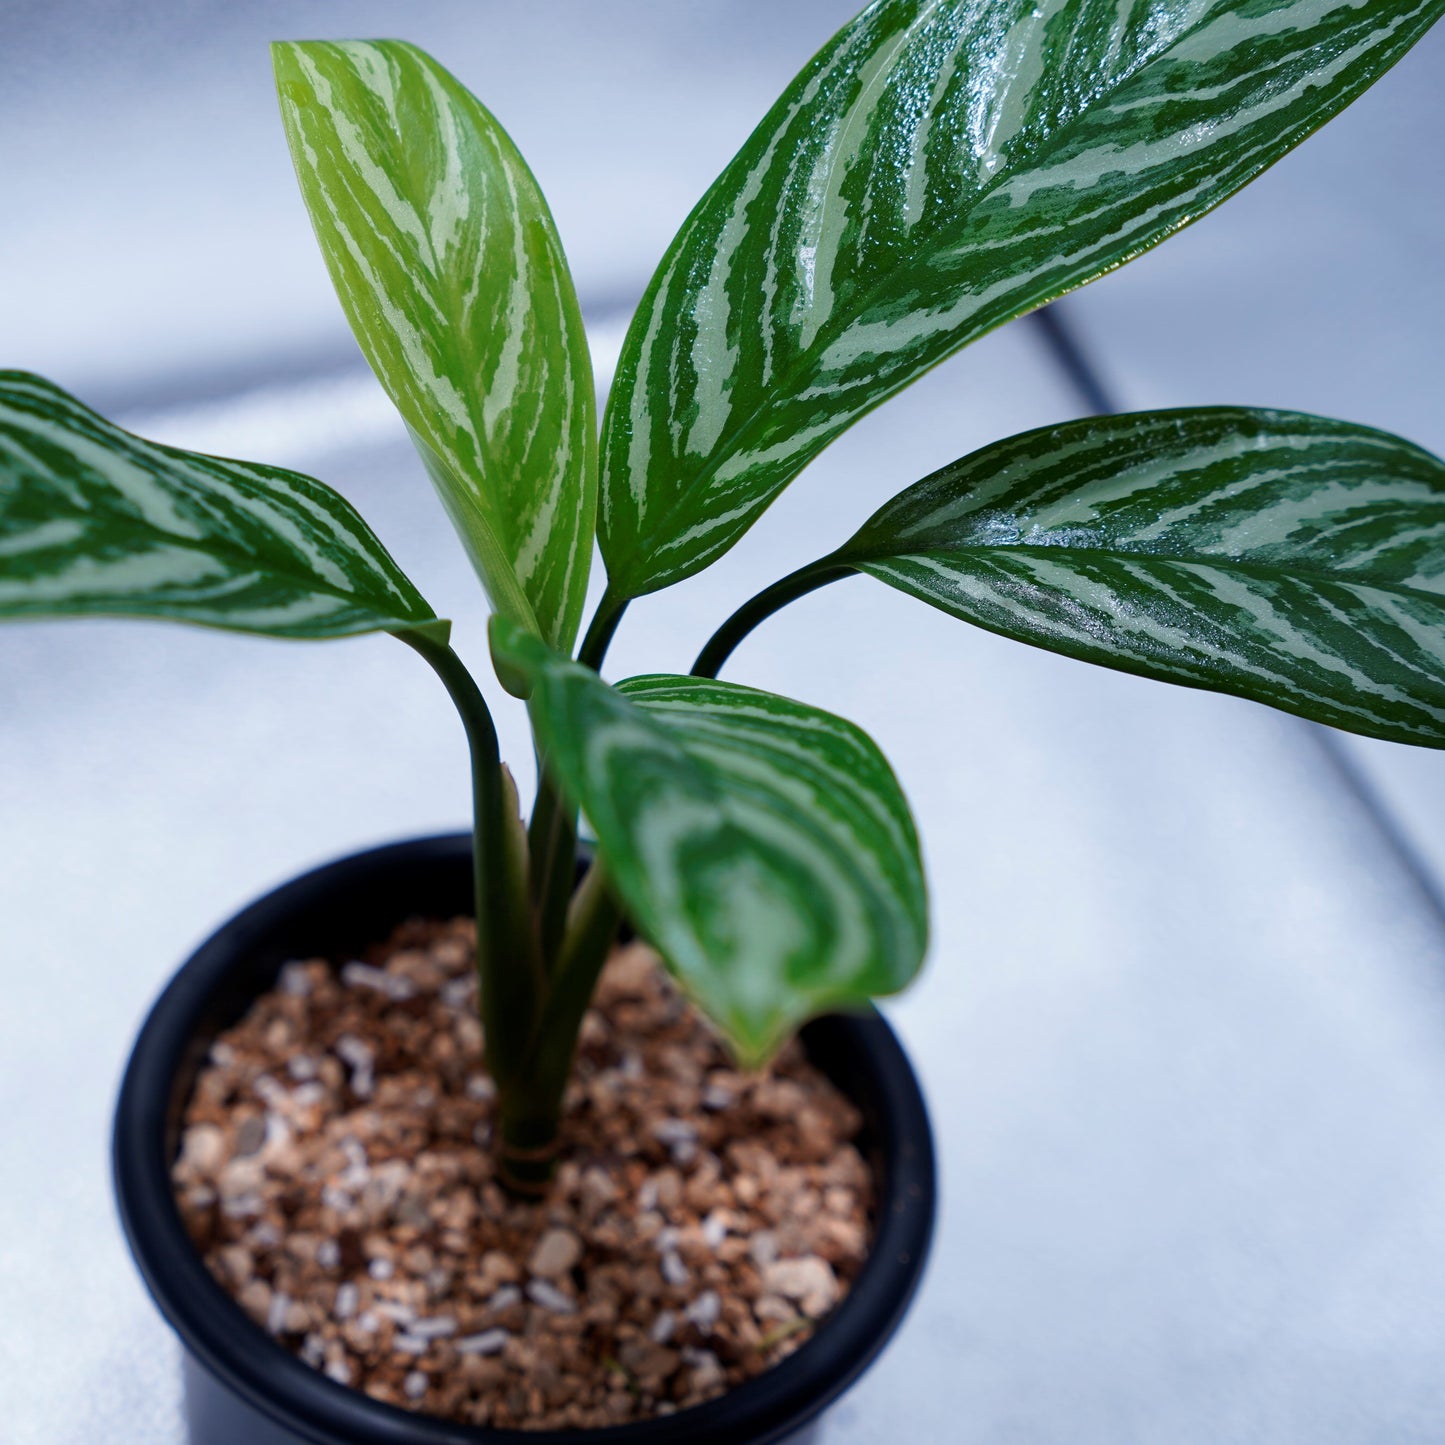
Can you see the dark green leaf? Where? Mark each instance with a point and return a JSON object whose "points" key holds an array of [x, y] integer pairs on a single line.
{"points": [[96, 521], [1286, 558], [940, 167], [764, 846]]}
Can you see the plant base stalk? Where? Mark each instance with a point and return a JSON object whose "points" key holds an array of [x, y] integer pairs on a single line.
{"points": [[509, 975], [529, 1117], [526, 1149]]}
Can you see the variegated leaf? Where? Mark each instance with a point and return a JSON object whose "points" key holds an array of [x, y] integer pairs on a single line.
{"points": [[1285, 558], [762, 845], [95, 521], [939, 167], [450, 271]]}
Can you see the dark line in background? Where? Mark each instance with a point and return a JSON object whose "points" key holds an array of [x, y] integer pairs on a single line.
{"points": [[227, 380], [1072, 359], [1078, 368], [1396, 835], [296, 365]]}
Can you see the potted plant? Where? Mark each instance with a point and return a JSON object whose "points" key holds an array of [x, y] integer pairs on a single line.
{"points": [[936, 170]]}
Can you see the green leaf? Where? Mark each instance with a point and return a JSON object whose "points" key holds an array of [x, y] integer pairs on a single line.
{"points": [[95, 521], [762, 845], [1286, 558], [451, 274], [940, 167]]}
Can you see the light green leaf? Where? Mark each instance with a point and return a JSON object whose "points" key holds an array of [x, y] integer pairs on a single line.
{"points": [[940, 167], [95, 521], [1285, 558], [762, 845], [451, 274]]}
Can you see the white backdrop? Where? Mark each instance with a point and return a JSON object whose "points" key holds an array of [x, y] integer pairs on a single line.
{"points": [[1183, 1029]]}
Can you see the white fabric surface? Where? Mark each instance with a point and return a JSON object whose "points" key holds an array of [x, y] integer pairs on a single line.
{"points": [[1181, 1030]]}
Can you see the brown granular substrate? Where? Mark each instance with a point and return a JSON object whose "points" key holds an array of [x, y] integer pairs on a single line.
{"points": [[334, 1171]]}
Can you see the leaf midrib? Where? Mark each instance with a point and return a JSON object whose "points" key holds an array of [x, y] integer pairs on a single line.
{"points": [[1245, 567], [455, 343], [126, 521], [449, 346]]}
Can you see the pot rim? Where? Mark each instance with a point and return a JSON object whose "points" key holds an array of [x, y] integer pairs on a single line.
{"points": [[213, 1327]]}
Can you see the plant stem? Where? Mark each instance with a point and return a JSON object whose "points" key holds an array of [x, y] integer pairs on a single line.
{"points": [[552, 844], [770, 600], [529, 1116], [552, 835], [508, 966], [600, 629]]}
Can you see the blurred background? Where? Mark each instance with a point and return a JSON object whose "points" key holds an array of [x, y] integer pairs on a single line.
{"points": [[1183, 1028]]}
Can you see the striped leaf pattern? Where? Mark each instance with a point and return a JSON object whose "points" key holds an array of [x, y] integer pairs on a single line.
{"points": [[1285, 558], [940, 167], [95, 521], [451, 274], [764, 846]]}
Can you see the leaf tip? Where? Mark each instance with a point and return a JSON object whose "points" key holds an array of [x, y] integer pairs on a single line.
{"points": [[284, 56]]}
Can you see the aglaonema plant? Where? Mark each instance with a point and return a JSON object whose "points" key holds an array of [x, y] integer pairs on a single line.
{"points": [[936, 170]]}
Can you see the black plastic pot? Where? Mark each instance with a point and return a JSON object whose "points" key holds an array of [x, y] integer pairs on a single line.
{"points": [[244, 1389]]}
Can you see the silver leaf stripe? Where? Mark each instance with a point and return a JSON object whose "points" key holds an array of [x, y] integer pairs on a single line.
{"points": [[1285, 558], [764, 846], [451, 274], [939, 168], [95, 521]]}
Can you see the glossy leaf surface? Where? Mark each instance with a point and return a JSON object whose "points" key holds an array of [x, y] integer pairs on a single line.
{"points": [[762, 845], [451, 274], [95, 521], [940, 167], [1285, 558]]}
